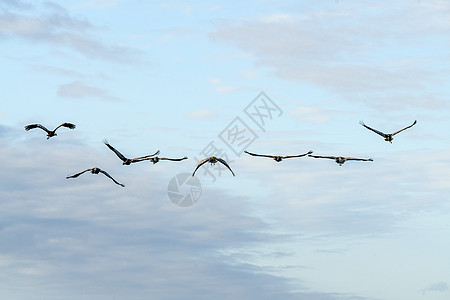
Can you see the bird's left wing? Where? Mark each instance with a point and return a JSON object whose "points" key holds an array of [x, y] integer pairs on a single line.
{"points": [[109, 176], [68, 125], [225, 164], [405, 127]]}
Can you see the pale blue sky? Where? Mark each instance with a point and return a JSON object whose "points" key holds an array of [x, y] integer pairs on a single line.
{"points": [[172, 76]]}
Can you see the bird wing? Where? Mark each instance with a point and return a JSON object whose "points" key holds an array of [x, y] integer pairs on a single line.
{"points": [[263, 155], [321, 156], [173, 159], [406, 127], [109, 176], [123, 158], [200, 164], [31, 126], [145, 157], [68, 125], [78, 174], [362, 159], [374, 130], [225, 164], [300, 155]]}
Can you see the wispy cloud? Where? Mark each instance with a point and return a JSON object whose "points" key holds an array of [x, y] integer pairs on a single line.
{"points": [[81, 90], [88, 232], [202, 114], [222, 87], [436, 287], [358, 56], [51, 24]]}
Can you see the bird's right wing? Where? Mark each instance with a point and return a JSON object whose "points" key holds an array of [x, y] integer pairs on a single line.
{"points": [[109, 176], [173, 159], [262, 155], [123, 158], [78, 174], [145, 157], [374, 130], [31, 126], [300, 155], [360, 159], [226, 165]]}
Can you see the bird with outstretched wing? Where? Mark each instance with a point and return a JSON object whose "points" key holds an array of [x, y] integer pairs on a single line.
{"points": [[213, 160], [278, 158], [127, 161], [387, 136], [95, 171], [340, 159], [50, 133]]}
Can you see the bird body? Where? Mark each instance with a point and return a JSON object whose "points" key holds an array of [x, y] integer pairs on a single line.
{"points": [[50, 133], [340, 160], [278, 158], [213, 160], [128, 161], [95, 171], [388, 137]]}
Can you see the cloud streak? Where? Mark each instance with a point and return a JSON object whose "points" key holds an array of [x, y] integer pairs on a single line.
{"points": [[51, 24], [349, 49], [81, 90]]}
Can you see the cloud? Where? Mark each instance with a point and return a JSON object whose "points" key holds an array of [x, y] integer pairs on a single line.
{"points": [[123, 241], [436, 287], [81, 90], [363, 55], [221, 87], [311, 114], [52, 25], [202, 114]]}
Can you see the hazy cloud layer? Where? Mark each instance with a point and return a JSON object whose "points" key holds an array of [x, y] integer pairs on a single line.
{"points": [[81, 90], [62, 234], [51, 24], [362, 51]]}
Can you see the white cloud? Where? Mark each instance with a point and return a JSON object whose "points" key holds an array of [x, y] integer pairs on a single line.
{"points": [[202, 114], [81, 90], [361, 54], [53, 25]]}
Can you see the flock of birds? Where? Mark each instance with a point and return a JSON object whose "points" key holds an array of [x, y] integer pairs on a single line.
{"points": [[213, 160]]}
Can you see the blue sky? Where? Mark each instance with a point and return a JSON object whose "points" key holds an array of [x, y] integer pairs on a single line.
{"points": [[175, 76]]}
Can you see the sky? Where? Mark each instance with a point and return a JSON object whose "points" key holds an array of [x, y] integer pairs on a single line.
{"points": [[200, 79]]}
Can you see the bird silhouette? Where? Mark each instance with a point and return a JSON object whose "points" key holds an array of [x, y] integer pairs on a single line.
{"points": [[95, 171], [278, 158], [387, 136], [213, 160], [50, 133], [341, 159], [128, 161]]}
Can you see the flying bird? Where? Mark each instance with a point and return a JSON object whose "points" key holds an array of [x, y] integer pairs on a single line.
{"points": [[278, 158], [341, 159], [50, 133], [213, 160], [387, 136], [155, 159], [95, 171], [127, 161]]}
